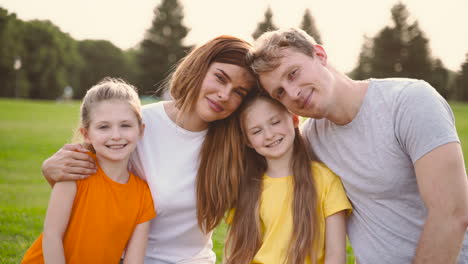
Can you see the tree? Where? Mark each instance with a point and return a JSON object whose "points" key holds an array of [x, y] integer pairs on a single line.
{"points": [[400, 50], [101, 59], [461, 82], [11, 48], [265, 25], [162, 46], [308, 25], [363, 69], [51, 60]]}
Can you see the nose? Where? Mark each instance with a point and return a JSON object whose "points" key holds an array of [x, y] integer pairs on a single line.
{"points": [[268, 133], [224, 92], [116, 133], [292, 90]]}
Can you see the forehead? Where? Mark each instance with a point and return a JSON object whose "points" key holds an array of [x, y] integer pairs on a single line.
{"points": [[260, 111], [287, 59], [238, 75], [112, 110]]}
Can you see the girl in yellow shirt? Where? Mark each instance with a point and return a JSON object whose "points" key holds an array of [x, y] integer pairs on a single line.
{"points": [[290, 207]]}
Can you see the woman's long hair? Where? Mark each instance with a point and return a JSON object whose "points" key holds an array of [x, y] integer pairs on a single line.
{"points": [[221, 152], [245, 234]]}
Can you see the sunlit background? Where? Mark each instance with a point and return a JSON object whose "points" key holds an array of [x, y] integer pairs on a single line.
{"points": [[54, 50], [342, 24]]}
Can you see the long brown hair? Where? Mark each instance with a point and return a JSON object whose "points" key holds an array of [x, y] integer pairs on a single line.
{"points": [[244, 236], [220, 154]]}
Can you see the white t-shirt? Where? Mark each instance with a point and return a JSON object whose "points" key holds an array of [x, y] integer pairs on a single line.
{"points": [[167, 158]]}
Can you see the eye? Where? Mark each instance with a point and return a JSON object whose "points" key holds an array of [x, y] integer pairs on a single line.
{"points": [[220, 78], [275, 122], [126, 125], [292, 74], [255, 132], [240, 93], [279, 93], [103, 127]]}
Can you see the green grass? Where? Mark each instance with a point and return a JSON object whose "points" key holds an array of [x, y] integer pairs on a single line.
{"points": [[31, 131]]}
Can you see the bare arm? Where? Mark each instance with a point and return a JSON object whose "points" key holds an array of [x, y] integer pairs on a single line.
{"points": [[335, 238], [56, 221], [136, 247], [68, 164], [443, 186]]}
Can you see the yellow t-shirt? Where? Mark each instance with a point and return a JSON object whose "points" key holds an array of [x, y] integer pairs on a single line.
{"points": [[276, 212]]}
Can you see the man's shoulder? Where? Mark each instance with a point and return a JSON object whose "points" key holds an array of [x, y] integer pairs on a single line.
{"points": [[400, 87]]}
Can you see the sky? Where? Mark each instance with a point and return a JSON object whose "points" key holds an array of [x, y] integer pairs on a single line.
{"points": [[342, 23]]}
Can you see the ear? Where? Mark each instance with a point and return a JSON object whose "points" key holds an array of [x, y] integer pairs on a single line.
{"points": [[321, 54], [84, 133], [295, 120], [142, 130]]}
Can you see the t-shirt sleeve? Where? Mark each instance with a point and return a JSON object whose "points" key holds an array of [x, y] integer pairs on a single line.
{"points": [[230, 216], [423, 120], [147, 208], [332, 192]]}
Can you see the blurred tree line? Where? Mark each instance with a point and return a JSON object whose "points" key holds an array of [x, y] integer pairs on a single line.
{"points": [[38, 60]]}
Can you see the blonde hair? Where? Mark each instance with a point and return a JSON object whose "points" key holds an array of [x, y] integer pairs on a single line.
{"points": [[107, 89], [266, 54]]}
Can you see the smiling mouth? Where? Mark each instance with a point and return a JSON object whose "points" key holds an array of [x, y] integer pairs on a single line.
{"points": [[275, 143], [307, 100], [214, 106], [116, 146]]}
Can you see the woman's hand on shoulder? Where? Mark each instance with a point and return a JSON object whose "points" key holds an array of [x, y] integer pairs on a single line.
{"points": [[69, 163]]}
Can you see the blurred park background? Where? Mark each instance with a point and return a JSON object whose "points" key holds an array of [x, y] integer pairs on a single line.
{"points": [[45, 70]]}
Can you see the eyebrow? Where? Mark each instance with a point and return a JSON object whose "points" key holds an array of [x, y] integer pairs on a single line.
{"points": [[230, 80]]}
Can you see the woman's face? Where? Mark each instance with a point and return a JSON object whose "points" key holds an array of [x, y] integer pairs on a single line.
{"points": [[222, 91]]}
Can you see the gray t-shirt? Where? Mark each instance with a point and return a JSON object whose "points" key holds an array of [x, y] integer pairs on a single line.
{"points": [[400, 120]]}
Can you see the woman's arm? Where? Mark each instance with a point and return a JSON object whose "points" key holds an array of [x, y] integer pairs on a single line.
{"points": [[136, 247], [56, 221], [68, 164], [335, 238]]}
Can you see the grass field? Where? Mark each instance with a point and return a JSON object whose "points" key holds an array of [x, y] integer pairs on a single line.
{"points": [[31, 131]]}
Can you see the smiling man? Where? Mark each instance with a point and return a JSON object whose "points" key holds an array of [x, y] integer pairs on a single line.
{"points": [[393, 142]]}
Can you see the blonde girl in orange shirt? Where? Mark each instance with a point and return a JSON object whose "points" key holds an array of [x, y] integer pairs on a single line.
{"points": [[94, 220]]}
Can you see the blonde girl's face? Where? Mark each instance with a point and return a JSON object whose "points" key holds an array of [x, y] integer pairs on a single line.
{"points": [[269, 129], [222, 91], [113, 130]]}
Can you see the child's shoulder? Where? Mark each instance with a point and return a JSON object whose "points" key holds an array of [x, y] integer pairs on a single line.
{"points": [[139, 181], [322, 174]]}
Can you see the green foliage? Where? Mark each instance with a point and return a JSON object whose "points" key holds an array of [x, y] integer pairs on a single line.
{"points": [[162, 46], [461, 82], [10, 50], [265, 25], [308, 25], [101, 59], [401, 50], [50, 59]]}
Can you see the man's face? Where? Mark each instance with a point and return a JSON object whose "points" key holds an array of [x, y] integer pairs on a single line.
{"points": [[301, 83]]}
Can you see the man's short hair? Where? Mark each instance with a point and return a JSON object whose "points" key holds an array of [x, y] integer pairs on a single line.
{"points": [[266, 53]]}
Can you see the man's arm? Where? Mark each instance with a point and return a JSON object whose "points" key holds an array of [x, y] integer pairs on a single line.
{"points": [[443, 187], [68, 164]]}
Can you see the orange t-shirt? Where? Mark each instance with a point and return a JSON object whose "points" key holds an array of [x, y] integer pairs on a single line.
{"points": [[102, 220]]}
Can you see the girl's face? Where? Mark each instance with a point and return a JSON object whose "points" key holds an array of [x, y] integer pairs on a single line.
{"points": [[269, 129], [222, 91], [113, 130]]}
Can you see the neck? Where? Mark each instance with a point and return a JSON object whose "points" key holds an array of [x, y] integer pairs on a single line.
{"points": [[189, 121], [280, 167], [115, 170], [349, 98]]}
